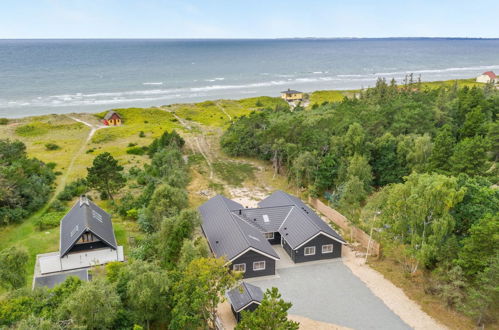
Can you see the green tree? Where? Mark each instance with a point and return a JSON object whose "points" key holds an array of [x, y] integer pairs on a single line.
{"points": [[387, 166], [360, 168], [442, 149], [105, 175], [166, 201], [32, 322], [475, 123], [173, 232], [304, 169], [483, 296], [481, 243], [198, 291], [147, 292], [470, 156], [417, 216], [93, 305], [192, 250], [272, 314], [355, 140], [13, 268]]}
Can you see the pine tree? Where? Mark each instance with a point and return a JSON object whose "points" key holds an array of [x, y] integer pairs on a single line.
{"points": [[105, 175]]}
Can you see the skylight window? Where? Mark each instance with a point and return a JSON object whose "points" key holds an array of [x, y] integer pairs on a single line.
{"points": [[74, 231], [266, 218], [97, 216]]}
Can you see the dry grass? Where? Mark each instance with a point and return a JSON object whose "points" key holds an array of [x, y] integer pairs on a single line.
{"points": [[413, 287]]}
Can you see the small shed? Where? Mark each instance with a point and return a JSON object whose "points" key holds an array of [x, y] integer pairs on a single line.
{"points": [[292, 95], [112, 118], [244, 297], [487, 77]]}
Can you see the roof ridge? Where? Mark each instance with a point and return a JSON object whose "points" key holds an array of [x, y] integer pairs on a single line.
{"points": [[232, 217], [257, 227], [302, 211]]}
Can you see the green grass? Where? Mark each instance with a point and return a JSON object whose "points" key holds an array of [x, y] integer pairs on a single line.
{"points": [[234, 173], [319, 97], [221, 113]]}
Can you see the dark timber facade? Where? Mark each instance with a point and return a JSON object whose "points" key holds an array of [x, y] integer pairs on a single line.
{"points": [[245, 236]]}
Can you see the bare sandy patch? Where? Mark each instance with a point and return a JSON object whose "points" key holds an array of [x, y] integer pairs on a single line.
{"points": [[248, 197], [306, 324]]}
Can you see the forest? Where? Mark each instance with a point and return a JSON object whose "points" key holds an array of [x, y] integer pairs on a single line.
{"points": [[416, 165]]}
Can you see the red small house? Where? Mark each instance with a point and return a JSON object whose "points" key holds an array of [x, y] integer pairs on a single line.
{"points": [[112, 118]]}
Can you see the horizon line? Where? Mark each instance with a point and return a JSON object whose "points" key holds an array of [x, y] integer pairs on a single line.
{"points": [[252, 38]]}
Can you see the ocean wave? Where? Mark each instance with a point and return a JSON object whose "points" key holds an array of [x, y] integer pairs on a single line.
{"points": [[221, 90], [152, 83]]}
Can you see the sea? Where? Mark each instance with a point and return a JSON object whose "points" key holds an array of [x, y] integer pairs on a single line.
{"points": [[63, 76]]}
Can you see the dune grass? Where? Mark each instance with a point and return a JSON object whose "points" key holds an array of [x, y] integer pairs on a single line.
{"points": [[319, 97]]}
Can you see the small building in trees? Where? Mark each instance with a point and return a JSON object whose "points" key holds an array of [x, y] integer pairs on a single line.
{"points": [[112, 118], [245, 235], [244, 297], [292, 95], [487, 77], [86, 239]]}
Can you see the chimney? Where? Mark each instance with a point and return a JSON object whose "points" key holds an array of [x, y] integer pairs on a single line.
{"points": [[83, 200]]}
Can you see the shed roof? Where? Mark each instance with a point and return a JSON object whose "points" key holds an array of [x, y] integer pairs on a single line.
{"points": [[291, 91], [229, 235], [243, 295], [491, 74], [302, 223], [85, 216], [110, 114]]}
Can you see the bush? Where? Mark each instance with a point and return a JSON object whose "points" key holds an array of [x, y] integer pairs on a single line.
{"points": [[4, 121], [57, 206], [49, 220], [73, 189], [142, 134], [131, 144], [136, 150], [52, 146]]}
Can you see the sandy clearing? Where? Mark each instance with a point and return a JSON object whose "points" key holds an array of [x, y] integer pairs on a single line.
{"points": [[306, 324], [393, 297], [248, 197]]}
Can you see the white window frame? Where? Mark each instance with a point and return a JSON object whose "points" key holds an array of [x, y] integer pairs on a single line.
{"points": [[239, 265], [259, 262], [271, 237], [309, 247], [327, 246]]}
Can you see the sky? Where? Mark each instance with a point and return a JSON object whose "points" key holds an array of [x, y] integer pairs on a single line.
{"points": [[248, 19]]}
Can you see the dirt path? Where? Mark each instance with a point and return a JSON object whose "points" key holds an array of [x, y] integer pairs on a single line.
{"points": [[393, 297], [93, 129], [225, 112]]}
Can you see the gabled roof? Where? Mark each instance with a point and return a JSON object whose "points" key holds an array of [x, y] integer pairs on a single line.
{"points": [[491, 74], [228, 235], [85, 216], [110, 114], [267, 219], [243, 295], [291, 91], [302, 223]]}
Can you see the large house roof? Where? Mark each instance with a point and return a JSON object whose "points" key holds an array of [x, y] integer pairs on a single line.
{"points": [[229, 235], [243, 295], [291, 91], [85, 216], [302, 223], [231, 229], [491, 74]]}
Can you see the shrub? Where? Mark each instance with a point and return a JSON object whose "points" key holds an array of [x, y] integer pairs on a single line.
{"points": [[52, 146], [57, 206], [73, 189], [136, 150], [4, 121], [49, 220], [142, 134], [131, 144]]}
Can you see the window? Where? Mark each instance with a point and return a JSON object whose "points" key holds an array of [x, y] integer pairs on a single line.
{"points": [[309, 250], [239, 268], [269, 235], [259, 265], [266, 218], [328, 248]]}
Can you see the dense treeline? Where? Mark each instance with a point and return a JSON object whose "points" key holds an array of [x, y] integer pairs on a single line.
{"points": [[25, 183], [416, 164]]}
